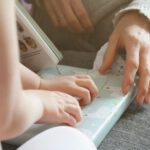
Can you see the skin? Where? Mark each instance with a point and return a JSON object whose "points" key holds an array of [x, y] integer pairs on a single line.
{"points": [[25, 98], [81, 86], [69, 14], [132, 33]]}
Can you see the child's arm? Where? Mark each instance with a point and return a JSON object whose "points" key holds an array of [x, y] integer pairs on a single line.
{"points": [[15, 107], [19, 109]]}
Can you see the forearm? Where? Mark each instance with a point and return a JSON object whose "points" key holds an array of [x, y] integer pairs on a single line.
{"points": [[10, 86], [18, 109], [27, 111], [30, 80]]}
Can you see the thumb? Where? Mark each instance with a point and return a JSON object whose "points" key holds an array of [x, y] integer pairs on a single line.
{"points": [[109, 55]]}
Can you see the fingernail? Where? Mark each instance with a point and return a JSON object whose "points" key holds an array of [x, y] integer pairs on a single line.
{"points": [[94, 95]]}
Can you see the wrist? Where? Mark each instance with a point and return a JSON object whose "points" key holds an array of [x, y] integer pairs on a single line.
{"points": [[47, 85], [135, 15], [42, 84]]}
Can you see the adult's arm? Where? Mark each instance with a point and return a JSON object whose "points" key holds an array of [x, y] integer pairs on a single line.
{"points": [[140, 6]]}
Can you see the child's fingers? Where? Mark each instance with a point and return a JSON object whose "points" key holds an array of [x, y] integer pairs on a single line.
{"points": [[74, 111], [90, 85], [67, 119], [73, 101], [82, 93]]}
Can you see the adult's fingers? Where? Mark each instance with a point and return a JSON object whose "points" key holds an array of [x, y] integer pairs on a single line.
{"points": [[110, 53], [144, 75], [70, 16], [131, 65], [69, 99], [82, 15], [58, 12], [147, 98], [51, 12]]}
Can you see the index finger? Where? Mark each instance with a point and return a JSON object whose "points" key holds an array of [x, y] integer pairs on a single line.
{"points": [[110, 53]]}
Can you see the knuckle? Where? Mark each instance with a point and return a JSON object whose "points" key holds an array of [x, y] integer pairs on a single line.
{"points": [[133, 38], [130, 80], [88, 82], [146, 72], [146, 45], [133, 64]]}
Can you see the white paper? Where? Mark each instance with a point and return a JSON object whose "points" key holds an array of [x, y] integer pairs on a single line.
{"points": [[59, 138]]}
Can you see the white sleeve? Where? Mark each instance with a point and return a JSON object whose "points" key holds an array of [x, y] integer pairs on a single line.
{"points": [[141, 6]]}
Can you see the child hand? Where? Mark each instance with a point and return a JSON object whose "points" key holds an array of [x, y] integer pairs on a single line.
{"points": [[59, 108], [81, 86]]}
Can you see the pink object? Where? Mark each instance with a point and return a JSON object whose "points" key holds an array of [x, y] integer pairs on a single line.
{"points": [[28, 6]]}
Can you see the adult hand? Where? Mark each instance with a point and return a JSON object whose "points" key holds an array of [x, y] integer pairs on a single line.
{"points": [[70, 14], [81, 86], [133, 34]]}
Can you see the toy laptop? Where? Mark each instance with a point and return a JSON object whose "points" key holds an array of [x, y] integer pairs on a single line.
{"points": [[103, 112]]}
